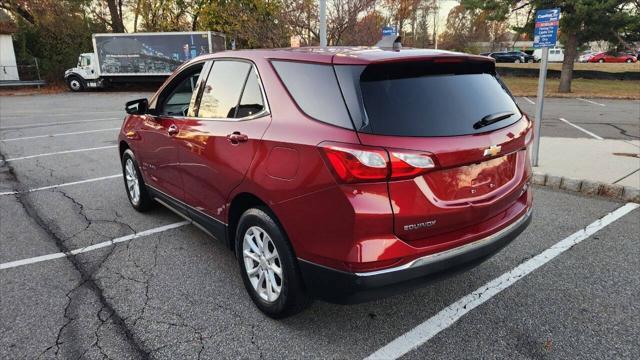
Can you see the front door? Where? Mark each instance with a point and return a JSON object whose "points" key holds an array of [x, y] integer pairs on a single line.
{"points": [[159, 155], [218, 145]]}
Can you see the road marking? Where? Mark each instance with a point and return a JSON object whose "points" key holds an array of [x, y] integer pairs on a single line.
{"points": [[56, 135], [529, 100], [591, 102], [37, 259], [60, 185], [16, 127], [452, 313], [60, 152], [581, 129]]}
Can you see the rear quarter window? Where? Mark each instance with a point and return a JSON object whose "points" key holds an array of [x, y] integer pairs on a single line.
{"points": [[315, 90]]}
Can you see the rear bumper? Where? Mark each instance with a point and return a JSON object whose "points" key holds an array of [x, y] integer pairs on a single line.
{"points": [[344, 287]]}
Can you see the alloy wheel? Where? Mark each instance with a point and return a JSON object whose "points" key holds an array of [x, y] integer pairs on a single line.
{"points": [[262, 263], [133, 185]]}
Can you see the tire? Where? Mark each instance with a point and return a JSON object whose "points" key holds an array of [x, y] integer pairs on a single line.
{"points": [[600, 61], [258, 238], [530, 61], [141, 201], [629, 61], [517, 61], [76, 83]]}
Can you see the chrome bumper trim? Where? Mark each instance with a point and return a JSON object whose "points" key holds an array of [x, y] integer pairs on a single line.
{"points": [[451, 253]]}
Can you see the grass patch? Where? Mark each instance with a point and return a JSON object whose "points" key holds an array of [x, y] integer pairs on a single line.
{"points": [[605, 67], [585, 88]]}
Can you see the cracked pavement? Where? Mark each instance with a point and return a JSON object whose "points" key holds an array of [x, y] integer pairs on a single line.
{"points": [[177, 294]]}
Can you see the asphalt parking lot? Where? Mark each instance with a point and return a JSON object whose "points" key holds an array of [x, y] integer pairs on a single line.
{"points": [[75, 283]]}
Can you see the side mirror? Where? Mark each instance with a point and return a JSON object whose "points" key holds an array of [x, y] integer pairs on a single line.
{"points": [[137, 107]]}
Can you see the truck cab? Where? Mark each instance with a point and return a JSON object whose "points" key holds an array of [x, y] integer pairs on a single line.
{"points": [[85, 75]]}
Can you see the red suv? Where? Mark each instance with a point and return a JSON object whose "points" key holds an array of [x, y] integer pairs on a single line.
{"points": [[337, 173]]}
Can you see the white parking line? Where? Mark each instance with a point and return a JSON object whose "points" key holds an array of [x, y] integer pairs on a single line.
{"points": [[529, 100], [591, 102], [26, 126], [56, 135], [37, 259], [452, 313], [581, 129], [61, 152], [61, 185]]}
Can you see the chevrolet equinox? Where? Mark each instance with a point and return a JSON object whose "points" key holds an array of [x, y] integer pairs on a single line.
{"points": [[335, 173]]}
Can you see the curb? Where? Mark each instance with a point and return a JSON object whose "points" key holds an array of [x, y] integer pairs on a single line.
{"points": [[588, 187]]}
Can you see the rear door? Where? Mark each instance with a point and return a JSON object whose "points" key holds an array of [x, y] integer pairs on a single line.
{"points": [[217, 145], [459, 114]]}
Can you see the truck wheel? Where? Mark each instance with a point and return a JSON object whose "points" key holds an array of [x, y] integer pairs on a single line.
{"points": [[75, 83]]}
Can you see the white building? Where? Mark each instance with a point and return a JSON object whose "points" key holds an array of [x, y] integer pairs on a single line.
{"points": [[8, 66]]}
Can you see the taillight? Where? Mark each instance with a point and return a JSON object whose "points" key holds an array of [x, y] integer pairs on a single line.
{"points": [[357, 163], [408, 164]]}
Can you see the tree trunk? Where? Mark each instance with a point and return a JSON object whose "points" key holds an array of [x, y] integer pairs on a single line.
{"points": [[116, 20], [570, 54]]}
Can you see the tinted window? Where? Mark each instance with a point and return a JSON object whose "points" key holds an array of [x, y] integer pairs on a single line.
{"points": [[401, 101], [315, 89], [251, 102], [178, 102], [222, 90]]}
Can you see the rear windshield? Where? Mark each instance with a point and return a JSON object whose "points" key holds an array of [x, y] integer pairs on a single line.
{"points": [[434, 100]]}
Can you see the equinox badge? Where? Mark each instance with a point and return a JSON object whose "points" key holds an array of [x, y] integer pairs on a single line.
{"points": [[421, 225]]}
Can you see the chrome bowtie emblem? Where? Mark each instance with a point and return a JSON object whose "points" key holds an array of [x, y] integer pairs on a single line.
{"points": [[493, 150]]}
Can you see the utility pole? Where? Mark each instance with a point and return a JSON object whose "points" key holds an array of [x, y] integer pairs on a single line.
{"points": [[323, 23], [435, 24]]}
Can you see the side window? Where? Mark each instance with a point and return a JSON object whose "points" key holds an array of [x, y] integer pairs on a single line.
{"points": [[251, 102], [315, 89], [222, 90], [179, 101]]}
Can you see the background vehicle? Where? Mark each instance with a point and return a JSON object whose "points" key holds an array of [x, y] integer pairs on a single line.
{"points": [[613, 58], [335, 173], [509, 57], [585, 56], [139, 57], [556, 54]]}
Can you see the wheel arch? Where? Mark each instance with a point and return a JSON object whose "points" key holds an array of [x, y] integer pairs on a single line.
{"points": [[122, 147], [242, 202]]}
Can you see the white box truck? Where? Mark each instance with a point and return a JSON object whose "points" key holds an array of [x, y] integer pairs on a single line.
{"points": [[139, 57]]}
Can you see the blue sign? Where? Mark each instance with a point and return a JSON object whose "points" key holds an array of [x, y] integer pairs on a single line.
{"points": [[389, 30], [546, 31]]}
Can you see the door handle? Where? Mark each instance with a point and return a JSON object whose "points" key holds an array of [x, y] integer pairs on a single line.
{"points": [[236, 137], [172, 130]]}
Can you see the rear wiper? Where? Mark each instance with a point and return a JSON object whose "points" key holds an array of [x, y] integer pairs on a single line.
{"points": [[492, 118]]}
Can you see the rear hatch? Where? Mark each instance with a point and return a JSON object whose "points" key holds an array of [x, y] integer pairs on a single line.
{"points": [[455, 121]]}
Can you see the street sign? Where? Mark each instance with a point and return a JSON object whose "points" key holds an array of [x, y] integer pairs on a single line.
{"points": [[546, 30], [389, 30], [545, 36]]}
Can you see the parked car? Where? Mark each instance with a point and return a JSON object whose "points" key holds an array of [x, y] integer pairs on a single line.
{"points": [[527, 58], [556, 54], [585, 56], [509, 57], [337, 173], [613, 58]]}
